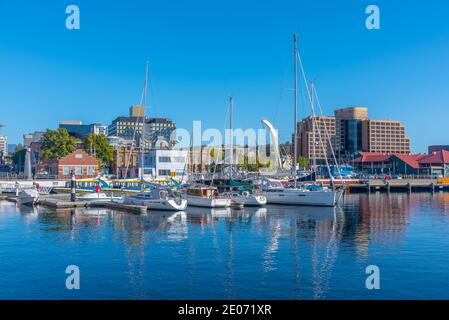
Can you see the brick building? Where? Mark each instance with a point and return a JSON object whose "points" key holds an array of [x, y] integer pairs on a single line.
{"points": [[82, 164]]}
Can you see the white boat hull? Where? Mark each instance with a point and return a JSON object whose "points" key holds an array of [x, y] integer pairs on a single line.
{"points": [[98, 197], [208, 202], [29, 197], [303, 197], [251, 200], [158, 204]]}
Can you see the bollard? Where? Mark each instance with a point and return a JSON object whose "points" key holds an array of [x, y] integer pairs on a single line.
{"points": [[72, 187], [17, 188]]}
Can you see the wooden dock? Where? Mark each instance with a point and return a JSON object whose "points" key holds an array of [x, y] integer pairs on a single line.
{"points": [[120, 206], [403, 185]]}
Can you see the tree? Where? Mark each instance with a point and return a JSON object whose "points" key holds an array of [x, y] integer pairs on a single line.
{"points": [[253, 165], [99, 147], [302, 162], [57, 144]]}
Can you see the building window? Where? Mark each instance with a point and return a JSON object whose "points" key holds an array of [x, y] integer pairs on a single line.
{"points": [[91, 170], [164, 172], [164, 159], [65, 170], [78, 170], [179, 159]]}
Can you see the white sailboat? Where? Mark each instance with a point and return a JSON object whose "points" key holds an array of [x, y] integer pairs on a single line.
{"points": [[158, 198], [277, 193], [247, 197]]}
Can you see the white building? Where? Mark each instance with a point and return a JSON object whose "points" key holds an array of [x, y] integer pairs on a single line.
{"points": [[163, 164], [3, 146]]}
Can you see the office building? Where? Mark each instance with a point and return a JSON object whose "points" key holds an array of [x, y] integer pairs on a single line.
{"points": [[79, 130], [34, 137], [311, 131], [385, 136], [349, 130], [3, 146], [130, 127], [163, 164]]}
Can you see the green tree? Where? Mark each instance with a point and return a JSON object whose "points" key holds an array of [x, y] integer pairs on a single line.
{"points": [[302, 162], [99, 147], [253, 165], [57, 144]]}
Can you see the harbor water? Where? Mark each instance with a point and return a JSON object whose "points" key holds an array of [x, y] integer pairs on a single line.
{"points": [[276, 252]]}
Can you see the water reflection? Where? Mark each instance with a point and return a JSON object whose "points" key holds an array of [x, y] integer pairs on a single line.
{"points": [[279, 251]]}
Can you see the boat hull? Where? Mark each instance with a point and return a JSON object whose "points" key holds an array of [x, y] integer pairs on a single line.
{"points": [[29, 197], [165, 205], [303, 197], [208, 202], [251, 200]]}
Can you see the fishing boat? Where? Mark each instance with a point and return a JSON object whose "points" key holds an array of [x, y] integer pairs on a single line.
{"points": [[158, 199], [29, 196], [299, 194], [207, 197]]}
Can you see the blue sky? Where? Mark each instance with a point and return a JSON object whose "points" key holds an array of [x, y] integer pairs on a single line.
{"points": [[203, 51]]}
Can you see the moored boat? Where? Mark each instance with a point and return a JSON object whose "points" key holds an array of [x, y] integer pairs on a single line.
{"points": [[98, 196], [158, 199], [29, 196], [208, 197]]}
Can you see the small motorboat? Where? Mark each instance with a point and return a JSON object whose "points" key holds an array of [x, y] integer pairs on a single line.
{"points": [[248, 198], [98, 196], [29, 196], [158, 199]]}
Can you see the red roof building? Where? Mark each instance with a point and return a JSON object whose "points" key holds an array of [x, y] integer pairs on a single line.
{"points": [[81, 163], [408, 164]]}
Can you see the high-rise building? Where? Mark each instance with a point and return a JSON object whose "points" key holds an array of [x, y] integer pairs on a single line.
{"points": [[157, 129], [350, 131], [385, 136], [3, 147], [311, 131], [355, 132], [129, 128], [79, 130], [136, 111]]}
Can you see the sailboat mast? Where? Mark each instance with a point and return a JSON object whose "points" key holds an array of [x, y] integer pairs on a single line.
{"points": [[295, 143], [231, 153], [314, 128], [142, 135]]}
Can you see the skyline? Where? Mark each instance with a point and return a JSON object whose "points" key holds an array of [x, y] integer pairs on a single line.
{"points": [[198, 59]]}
